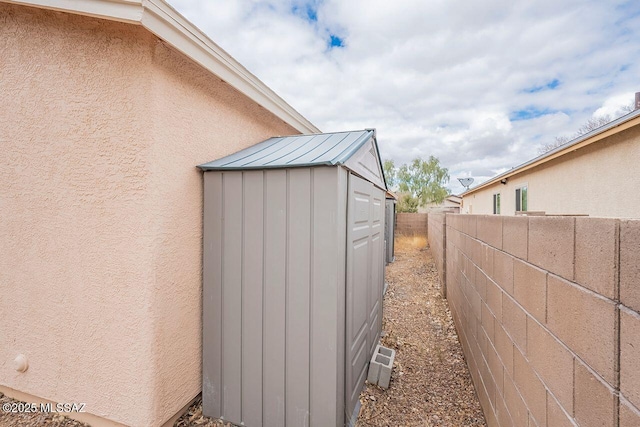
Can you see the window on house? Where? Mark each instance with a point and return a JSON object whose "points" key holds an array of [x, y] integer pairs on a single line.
{"points": [[496, 203], [521, 199]]}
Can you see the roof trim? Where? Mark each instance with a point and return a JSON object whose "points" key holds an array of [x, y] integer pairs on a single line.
{"points": [[165, 22], [623, 123]]}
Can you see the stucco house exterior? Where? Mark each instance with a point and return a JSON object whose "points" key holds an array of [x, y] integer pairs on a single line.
{"points": [[107, 107], [451, 203], [595, 175]]}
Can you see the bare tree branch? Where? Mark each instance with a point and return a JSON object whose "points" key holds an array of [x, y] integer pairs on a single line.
{"points": [[591, 124]]}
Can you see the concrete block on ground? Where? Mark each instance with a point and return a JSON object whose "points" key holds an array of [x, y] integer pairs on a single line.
{"points": [[381, 366]]}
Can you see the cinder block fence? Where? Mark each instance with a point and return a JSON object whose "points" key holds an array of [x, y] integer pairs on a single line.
{"points": [[411, 223], [437, 242], [548, 312]]}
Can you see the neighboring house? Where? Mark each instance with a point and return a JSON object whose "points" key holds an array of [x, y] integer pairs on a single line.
{"points": [[595, 174], [450, 204], [107, 107]]}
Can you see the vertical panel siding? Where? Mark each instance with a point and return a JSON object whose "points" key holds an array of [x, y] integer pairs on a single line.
{"points": [[325, 286], [298, 270], [364, 282], [377, 268], [358, 285], [340, 259], [252, 271], [212, 296], [275, 296], [231, 295], [275, 235]]}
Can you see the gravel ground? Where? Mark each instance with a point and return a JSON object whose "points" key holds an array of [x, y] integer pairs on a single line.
{"points": [[430, 383]]}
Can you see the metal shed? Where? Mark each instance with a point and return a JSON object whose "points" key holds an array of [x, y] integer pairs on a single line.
{"points": [[293, 274]]}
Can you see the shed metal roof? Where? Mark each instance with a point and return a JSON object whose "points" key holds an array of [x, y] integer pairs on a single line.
{"points": [[356, 150], [295, 151]]}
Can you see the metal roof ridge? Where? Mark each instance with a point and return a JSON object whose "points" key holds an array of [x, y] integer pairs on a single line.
{"points": [[355, 146]]}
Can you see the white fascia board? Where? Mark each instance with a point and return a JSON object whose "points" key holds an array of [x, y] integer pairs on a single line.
{"points": [[169, 25], [161, 19], [129, 11]]}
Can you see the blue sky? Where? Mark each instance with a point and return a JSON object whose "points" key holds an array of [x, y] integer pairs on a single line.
{"points": [[479, 87]]}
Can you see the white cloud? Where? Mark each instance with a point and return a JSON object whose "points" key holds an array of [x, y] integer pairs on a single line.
{"points": [[478, 86], [614, 106]]}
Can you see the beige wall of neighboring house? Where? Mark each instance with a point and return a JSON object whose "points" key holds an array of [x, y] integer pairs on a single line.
{"points": [[450, 204], [596, 178], [103, 124]]}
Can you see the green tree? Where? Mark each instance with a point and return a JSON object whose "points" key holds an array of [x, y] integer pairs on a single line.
{"points": [[424, 180], [389, 173], [419, 183], [407, 203]]}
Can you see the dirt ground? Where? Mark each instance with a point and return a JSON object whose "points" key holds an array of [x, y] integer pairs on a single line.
{"points": [[430, 383]]}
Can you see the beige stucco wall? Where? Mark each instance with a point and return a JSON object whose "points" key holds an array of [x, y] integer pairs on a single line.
{"points": [[100, 239], [598, 180]]}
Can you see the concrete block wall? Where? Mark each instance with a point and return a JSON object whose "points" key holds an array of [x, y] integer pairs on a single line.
{"points": [[411, 223], [436, 237], [548, 312]]}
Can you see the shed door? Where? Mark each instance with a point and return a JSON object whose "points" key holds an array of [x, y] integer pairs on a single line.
{"points": [[365, 264]]}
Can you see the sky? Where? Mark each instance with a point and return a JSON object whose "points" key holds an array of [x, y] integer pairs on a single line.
{"points": [[479, 85]]}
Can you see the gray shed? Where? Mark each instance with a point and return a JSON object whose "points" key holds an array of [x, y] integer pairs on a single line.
{"points": [[293, 274], [390, 227]]}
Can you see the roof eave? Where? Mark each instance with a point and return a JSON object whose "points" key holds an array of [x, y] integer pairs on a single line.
{"points": [[613, 127], [161, 19], [206, 168]]}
